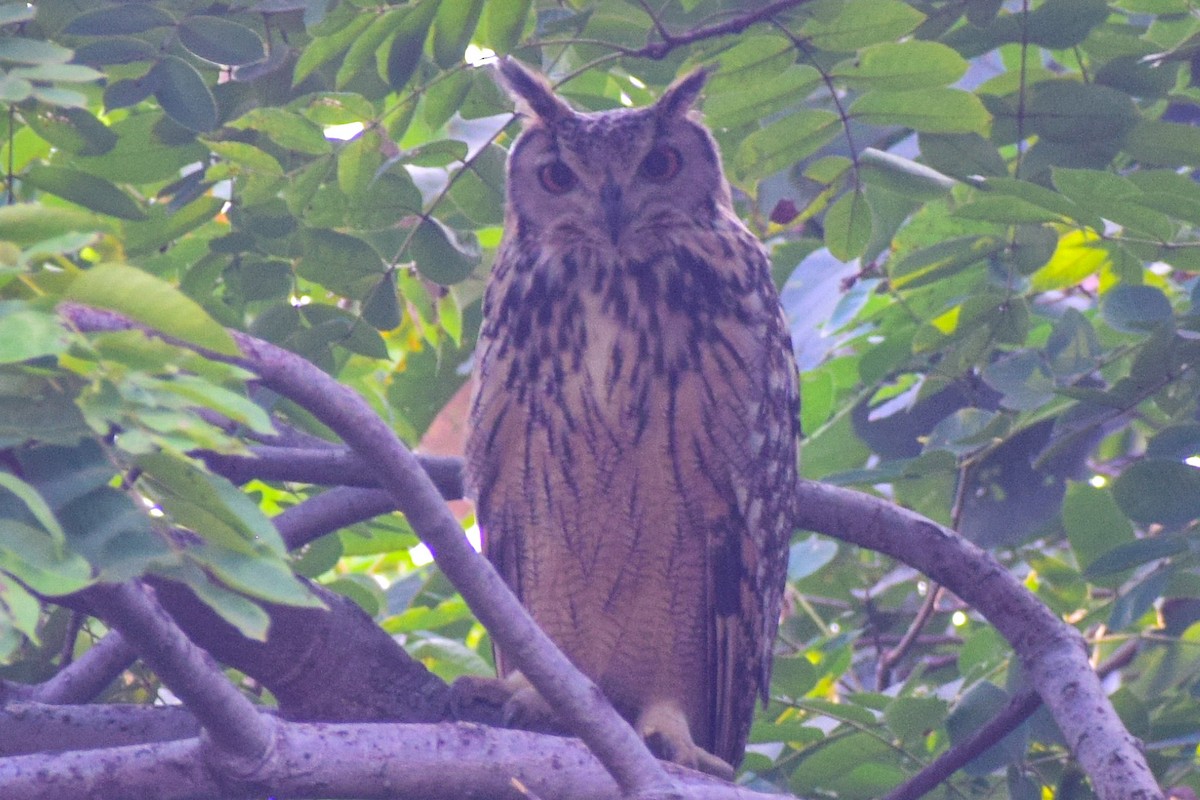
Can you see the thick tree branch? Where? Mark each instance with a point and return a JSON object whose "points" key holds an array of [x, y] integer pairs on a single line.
{"points": [[1051, 651], [38, 728], [304, 660], [396, 762], [579, 702], [232, 722]]}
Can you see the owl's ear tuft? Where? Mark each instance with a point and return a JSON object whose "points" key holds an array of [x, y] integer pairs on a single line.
{"points": [[681, 95], [531, 91]]}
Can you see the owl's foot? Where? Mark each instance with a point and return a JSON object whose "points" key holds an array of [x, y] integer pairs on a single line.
{"points": [[474, 698], [527, 710], [664, 728], [504, 702]]}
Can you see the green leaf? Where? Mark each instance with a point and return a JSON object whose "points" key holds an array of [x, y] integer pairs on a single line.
{"points": [[1006, 210], [26, 333], [452, 29], [221, 41], [288, 129], [85, 190], [746, 104], [336, 260], [442, 100], [29, 223], [914, 718], [1167, 144], [14, 89], [230, 404], [503, 23], [785, 142], [903, 66], [902, 175], [1022, 378], [325, 48], [208, 504], [962, 155], [163, 226], [115, 50], [439, 254], [861, 23], [32, 51], [1073, 113], [118, 19], [64, 73], [73, 130], [11, 13], [359, 160], [925, 110], [381, 307], [33, 558], [139, 153], [941, 260], [848, 226], [1154, 490], [479, 190], [1135, 309], [267, 579], [37, 506], [247, 156], [151, 301], [361, 54], [1095, 526], [184, 95], [752, 61]]}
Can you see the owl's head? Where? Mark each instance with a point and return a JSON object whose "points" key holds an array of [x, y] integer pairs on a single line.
{"points": [[627, 180]]}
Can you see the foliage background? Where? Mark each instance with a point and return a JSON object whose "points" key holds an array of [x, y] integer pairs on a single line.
{"points": [[982, 216]]}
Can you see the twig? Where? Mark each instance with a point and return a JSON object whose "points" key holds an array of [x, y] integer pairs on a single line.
{"points": [[888, 659], [578, 700]]}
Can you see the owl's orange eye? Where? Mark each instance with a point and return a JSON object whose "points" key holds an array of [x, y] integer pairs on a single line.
{"points": [[661, 164], [556, 178]]}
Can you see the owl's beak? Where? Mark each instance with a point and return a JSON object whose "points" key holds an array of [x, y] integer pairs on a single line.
{"points": [[614, 211]]}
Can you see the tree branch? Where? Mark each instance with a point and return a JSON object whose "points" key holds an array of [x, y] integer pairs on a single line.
{"points": [[396, 762], [230, 719], [326, 466], [579, 702], [37, 728], [83, 679], [1052, 652], [329, 511]]}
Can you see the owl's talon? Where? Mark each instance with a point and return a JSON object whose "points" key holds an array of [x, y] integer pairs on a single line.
{"points": [[664, 728], [526, 709]]}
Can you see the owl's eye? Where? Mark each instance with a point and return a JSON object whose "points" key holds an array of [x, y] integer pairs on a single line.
{"points": [[556, 178], [661, 164]]}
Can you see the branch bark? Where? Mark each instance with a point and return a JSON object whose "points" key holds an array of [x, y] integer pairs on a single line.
{"points": [[396, 762]]}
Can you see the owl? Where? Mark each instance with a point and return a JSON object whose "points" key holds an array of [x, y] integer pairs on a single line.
{"points": [[634, 422]]}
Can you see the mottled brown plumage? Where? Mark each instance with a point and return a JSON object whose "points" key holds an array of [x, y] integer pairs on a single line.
{"points": [[634, 426]]}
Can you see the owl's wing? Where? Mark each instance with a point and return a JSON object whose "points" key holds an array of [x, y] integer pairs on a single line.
{"points": [[759, 418]]}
